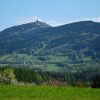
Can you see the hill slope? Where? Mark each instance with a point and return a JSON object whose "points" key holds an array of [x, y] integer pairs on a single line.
{"points": [[74, 43]]}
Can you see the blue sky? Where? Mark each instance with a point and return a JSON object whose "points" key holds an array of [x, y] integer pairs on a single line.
{"points": [[53, 12]]}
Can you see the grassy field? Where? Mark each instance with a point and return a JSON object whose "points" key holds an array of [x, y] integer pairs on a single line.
{"points": [[9, 92]]}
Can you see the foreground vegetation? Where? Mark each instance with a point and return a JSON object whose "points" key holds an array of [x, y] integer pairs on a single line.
{"points": [[9, 92], [26, 76]]}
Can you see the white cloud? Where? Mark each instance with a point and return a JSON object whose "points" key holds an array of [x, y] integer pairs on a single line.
{"points": [[67, 21], [94, 19], [57, 22], [84, 19]]}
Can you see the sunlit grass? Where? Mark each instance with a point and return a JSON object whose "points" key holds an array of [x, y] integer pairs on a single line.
{"points": [[10, 92]]}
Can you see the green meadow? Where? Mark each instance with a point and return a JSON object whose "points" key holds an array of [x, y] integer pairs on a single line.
{"points": [[11, 92]]}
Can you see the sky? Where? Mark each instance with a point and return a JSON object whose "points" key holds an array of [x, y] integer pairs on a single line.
{"points": [[53, 12]]}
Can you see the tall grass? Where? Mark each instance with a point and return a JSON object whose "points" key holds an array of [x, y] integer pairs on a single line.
{"points": [[10, 92]]}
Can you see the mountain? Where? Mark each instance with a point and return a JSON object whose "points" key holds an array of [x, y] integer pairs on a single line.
{"points": [[77, 42], [18, 37]]}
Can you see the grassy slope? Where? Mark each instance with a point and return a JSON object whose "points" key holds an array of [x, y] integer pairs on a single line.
{"points": [[47, 93]]}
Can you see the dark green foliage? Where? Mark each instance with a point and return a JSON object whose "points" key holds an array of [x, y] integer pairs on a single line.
{"points": [[9, 75], [96, 82], [69, 78], [27, 75]]}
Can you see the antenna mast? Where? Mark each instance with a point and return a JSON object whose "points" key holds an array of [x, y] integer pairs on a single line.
{"points": [[37, 19]]}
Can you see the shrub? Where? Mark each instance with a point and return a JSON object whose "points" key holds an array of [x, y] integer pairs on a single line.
{"points": [[7, 76]]}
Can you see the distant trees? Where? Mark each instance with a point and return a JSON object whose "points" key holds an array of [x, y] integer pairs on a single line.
{"points": [[13, 75], [69, 78], [96, 82], [27, 75], [37, 78], [84, 78]]}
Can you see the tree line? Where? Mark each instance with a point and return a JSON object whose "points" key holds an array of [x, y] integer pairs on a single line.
{"points": [[12, 75]]}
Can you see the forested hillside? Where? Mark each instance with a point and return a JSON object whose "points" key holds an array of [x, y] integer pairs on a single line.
{"points": [[39, 46]]}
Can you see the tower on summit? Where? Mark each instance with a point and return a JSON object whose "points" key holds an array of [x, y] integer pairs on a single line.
{"points": [[37, 20]]}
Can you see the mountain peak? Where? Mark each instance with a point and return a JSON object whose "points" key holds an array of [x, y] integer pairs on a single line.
{"points": [[28, 26], [40, 24]]}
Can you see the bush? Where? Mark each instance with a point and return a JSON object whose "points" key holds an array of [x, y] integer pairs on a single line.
{"points": [[80, 84], [7, 76]]}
